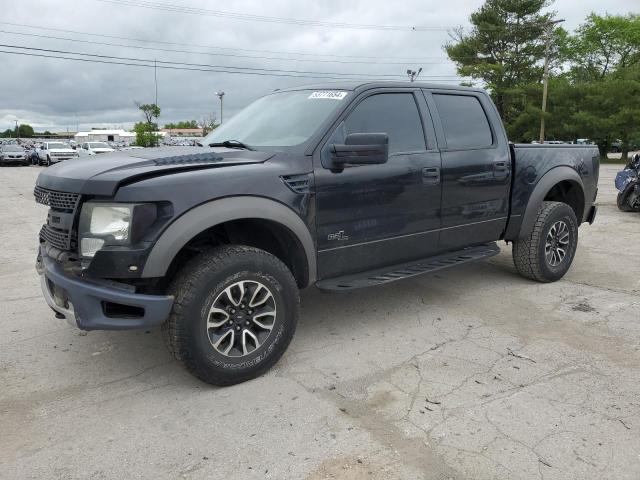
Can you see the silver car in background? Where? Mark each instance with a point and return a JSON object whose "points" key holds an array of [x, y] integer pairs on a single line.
{"points": [[13, 155]]}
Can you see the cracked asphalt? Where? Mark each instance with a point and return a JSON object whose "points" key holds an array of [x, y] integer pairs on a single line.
{"points": [[472, 373]]}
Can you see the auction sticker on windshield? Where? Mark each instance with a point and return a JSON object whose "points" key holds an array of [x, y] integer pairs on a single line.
{"points": [[329, 94]]}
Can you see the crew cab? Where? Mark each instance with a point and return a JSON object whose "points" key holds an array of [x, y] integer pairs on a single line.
{"points": [[54, 152], [338, 186]]}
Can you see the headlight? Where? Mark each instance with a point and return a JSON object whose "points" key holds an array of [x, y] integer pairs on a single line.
{"points": [[106, 224]]}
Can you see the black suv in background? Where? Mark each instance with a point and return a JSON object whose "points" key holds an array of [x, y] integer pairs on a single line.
{"points": [[340, 186]]}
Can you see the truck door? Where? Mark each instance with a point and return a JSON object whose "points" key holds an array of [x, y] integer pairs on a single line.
{"points": [[375, 215], [476, 168]]}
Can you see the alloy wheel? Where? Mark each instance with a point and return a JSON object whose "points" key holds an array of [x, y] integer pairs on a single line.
{"points": [[241, 318], [556, 244]]}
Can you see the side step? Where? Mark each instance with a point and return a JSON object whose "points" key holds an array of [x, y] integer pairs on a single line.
{"points": [[392, 273]]}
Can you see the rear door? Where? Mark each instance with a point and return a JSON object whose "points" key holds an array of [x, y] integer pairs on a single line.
{"points": [[375, 215], [476, 168]]}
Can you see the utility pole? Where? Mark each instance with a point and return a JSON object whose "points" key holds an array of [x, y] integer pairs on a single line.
{"points": [[17, 131], [155, 78], [545, 75], [413, 74], [220, 94]]}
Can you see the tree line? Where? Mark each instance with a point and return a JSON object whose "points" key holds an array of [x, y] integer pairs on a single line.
{"points": [[594, 72]]}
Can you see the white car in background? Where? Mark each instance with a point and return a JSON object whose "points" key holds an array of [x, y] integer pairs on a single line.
{"points": [[54, 152], [94, 148]]}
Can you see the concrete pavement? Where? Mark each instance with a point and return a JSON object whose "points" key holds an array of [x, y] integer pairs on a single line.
{"points": [[473, 373]]}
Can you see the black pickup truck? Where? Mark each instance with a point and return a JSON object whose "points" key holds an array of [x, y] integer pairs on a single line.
{"points": [[340, 186]]}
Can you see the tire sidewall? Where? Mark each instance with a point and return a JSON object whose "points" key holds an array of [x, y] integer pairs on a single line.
{"points": [[200, 349], [561, 213]]}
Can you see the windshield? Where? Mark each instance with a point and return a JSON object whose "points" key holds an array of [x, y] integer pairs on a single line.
{"points": [[98, 145], [279, 120], [12, 148], [58, 145]]}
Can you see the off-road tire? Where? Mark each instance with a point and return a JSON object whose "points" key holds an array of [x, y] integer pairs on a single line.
{"points": [[529, 253], [195, 288]]}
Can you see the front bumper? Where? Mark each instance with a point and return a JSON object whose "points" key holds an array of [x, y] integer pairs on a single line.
{"points": [[14, 159], [94, 306]]}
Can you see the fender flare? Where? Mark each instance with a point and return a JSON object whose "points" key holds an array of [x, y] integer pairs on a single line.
{"points": [[215, 212], [542, 188]]}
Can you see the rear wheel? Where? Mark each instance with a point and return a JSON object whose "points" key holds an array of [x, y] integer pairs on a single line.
{"points": [[547, 253], [234, 314]]}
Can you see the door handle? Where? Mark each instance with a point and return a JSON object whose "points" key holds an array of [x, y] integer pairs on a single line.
{"points": [[500, 166], [431, 175]]}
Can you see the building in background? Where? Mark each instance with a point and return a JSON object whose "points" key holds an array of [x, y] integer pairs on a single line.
{"points": [[97, 135]]}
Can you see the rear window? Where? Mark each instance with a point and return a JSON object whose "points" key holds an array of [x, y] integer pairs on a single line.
{"points": [[464, 122]]}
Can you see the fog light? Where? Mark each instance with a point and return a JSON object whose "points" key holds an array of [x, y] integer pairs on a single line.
{"points": [[89, 246]]}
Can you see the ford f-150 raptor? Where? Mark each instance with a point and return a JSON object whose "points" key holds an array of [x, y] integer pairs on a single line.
{"points": [[340, 186]]}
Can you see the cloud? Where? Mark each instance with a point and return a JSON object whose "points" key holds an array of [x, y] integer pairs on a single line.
{"points": [[59, 94]]}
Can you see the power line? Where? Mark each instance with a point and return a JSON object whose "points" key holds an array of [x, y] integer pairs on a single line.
{"points": [[276, 52], [263, 18], [204, 65], [190, 69], [169, 7], [169, 50]]}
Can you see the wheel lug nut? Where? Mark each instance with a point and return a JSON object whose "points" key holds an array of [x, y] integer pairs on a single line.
{"points": [[247, 322], [237, 327], [242, 305]]}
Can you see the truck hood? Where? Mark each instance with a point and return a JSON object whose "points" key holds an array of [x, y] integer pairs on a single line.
{"points": [[103, 174], [61, 150]]}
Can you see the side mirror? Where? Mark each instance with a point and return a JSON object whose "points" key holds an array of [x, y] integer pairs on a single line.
{"points": [[361, 149]]}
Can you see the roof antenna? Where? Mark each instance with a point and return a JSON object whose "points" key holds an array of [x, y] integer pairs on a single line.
{"points": [[413, 74]]}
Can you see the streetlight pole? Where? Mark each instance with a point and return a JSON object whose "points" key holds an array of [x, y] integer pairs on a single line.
{"points": [[220, 95], [17, 131], [545, 75]]}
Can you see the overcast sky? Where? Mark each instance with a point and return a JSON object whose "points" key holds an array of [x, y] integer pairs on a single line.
{"points": [[57, 94]]}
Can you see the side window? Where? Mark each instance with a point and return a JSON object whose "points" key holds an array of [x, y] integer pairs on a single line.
{"points": [[395, 114], [464, 122]]}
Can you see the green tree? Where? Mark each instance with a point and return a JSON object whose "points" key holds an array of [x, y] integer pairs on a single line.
{"points": [[25, 130], [503, 48], [603, 45], [146, 135], [183, 124]]}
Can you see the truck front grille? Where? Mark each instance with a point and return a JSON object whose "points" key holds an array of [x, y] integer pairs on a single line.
{"points": [[57, 200], [59, 230], [56, 238]]}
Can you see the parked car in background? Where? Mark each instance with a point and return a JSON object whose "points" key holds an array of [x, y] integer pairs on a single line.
{"points": [[12, 155], [94, 148], [54, 152]]}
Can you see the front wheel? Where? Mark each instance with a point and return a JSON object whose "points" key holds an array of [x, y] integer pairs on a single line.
{"points": [[547, 252], [234, 314]]}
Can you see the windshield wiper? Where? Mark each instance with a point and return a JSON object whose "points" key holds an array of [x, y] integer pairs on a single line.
{"points": [[231, 144]]}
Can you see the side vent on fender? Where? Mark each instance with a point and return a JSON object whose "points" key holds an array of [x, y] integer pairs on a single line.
{"points": [[298, 183]]}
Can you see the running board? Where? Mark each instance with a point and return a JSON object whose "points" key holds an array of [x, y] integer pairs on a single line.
{"points": [[392, 273]]}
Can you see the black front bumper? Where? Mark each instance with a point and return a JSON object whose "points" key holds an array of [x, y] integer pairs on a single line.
{"points": [[92, 305]]}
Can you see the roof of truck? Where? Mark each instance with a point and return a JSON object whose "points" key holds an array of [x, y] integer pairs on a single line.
{"points": [[355, 85]]}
